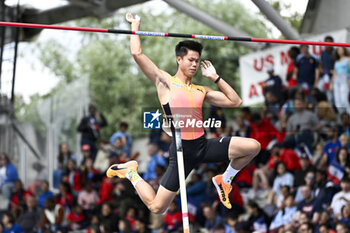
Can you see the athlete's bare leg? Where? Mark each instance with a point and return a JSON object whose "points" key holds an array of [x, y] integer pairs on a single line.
{"points": [[241, 151], [156, 202]]}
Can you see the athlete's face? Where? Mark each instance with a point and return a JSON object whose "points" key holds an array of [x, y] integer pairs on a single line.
{"points": [[189, 63]]}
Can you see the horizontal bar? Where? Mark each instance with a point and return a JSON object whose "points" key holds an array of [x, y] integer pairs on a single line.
{"points": [[165, 34]]}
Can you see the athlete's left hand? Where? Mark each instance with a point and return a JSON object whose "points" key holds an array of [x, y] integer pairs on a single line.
{"points": [[208, 70]]}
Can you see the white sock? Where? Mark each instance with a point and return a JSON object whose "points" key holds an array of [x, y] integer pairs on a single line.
{"points": [[133, 176], [229, 174]]}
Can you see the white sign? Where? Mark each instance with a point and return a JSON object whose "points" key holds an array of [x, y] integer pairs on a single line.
{"points": [[253, 66]]}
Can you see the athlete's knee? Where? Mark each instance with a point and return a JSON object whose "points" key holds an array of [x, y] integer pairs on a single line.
{"points": [[157, 208], [255, 147]]}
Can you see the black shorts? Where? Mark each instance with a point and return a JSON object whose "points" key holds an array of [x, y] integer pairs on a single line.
{"points": [[200, 150]]}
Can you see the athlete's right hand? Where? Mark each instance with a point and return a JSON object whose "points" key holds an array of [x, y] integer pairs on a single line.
{"points": [[131, 19]]}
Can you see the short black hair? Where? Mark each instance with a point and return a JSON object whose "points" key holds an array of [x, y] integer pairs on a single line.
{"points": [[10, 217], [329, 38], [123, 124], [182, 47], [310, 226]]}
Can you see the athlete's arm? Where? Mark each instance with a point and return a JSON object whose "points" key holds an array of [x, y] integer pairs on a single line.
{"points": [[227, 97], [146, 65]]}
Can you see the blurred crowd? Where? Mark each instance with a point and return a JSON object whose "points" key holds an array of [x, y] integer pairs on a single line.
{"points": [[299, 182]]}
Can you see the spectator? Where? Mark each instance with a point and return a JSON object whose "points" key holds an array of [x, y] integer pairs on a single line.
{"points": [[123, 225], [283, 178], [9, 224], [273, 84], [273, 94], [309, 181], [76, 219], [286, 215], [345, 215], [340, 166], [130, 216], [306, 166], [102, 162], [89, 174], [64, 155], [210, 191], [196, 188], [105, 192], [65, 197], [54, 216], [331, 147], [300, 126], [324, 219], [19, 197], [243, 127], [341, 198], [88, 197], [141, 227], [344, 141], [8, 176], [306, 227], [231, 222], [45, 193], [219, 228], [155, 182], [156, 159], [307, 205], [323, 193], [288, 156], [344, 127], [124, 197], [109, 219], [300, 219], [325, 228], [122, 133], [29, 220], [244, 178], [263, 131], [272, 107], [293, 54], [275, 202], [306, 69], [324, 111], [288, 108], [339, 83], [326, 68], [341, 228], [41, 174], [86, 151], [257, 220], [73, 176], [90, 127], [211, 218], [119, 149]]}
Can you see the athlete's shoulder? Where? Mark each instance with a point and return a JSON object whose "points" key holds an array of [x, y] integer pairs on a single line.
{"points": [[176, 82]]}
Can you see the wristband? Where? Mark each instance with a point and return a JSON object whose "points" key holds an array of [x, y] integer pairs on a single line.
{"points": [[218, 79]]}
